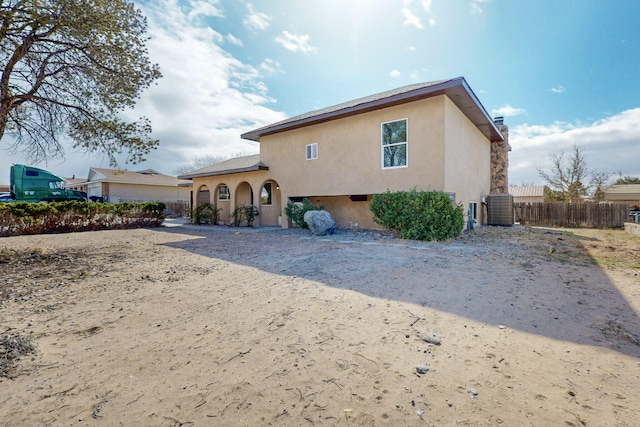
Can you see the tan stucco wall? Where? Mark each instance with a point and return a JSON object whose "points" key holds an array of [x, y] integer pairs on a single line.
{"points": [[135, 192], [349, 153], [239, 185], [350, 158], [347, 214], [467, 159]]}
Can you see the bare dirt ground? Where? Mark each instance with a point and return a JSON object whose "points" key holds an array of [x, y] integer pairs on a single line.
{"points": [[202, 326]]}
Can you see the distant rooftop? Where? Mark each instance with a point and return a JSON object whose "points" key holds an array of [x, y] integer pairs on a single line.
{"points": [[527, 191], [147, 177]]}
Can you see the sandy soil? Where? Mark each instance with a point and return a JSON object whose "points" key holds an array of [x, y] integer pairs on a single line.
{"points": [[207, 326]]}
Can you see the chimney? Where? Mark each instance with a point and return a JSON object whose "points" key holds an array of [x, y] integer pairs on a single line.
{"points": [[500, 159]]}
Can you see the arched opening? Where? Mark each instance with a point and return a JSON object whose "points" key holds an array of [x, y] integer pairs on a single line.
{"points": [[203, 195], [243, 196], [270, 203], [223, 202]]}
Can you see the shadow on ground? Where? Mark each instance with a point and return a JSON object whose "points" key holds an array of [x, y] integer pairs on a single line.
{"points": [[542, 283]]}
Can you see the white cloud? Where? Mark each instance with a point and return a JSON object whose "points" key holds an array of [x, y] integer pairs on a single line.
{"points": [[204, 8], [558, 89], [476, 6], [255, 20], [271, 67], [295, 42], [509, 111], [411, 19], [395, 74], [426, 5], [206, 98], [607, 145], [233, 40]]}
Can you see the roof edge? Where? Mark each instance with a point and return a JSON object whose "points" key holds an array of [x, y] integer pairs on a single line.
{"points": [[411, 95], [254, 168]]}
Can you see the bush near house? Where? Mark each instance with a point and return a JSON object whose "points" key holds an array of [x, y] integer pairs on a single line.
{"points": [[418, 215], [206, 213], [244, 214], [64, 217], [295, 211]]}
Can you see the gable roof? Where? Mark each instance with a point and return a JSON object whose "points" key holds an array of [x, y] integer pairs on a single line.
{"points": [[145, 177], [527, 191], [456, 89], [235, 165]]}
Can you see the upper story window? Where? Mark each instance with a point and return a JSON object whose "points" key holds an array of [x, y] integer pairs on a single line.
{"points": [[312, 151], [394, 144], [223, 192]]}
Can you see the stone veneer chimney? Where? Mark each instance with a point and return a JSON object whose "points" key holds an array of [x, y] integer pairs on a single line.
{"points": [[500, 160]]}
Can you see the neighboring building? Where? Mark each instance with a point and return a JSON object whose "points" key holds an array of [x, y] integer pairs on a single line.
{"points": [[623, 193], [116, 186], [428, 136], [527, 194], [73, 183]]}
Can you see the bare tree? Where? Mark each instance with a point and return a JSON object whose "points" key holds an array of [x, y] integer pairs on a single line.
{"points": [[198, 163], [570, 180], [204, 161]]}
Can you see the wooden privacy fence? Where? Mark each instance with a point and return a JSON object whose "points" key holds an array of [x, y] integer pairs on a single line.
{"points": [[589, 215]]}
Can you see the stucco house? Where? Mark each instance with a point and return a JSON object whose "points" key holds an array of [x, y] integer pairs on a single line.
{"points": [[427, 136], [148, 185]]}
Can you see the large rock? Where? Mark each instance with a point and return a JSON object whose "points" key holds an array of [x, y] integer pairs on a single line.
{"points": [[320, 223]]}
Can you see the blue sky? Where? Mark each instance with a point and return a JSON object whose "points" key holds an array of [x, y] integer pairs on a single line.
{"points": [[561, 72]]}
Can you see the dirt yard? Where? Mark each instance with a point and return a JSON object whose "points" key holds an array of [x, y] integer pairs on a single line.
{"points": [[207, 326]]}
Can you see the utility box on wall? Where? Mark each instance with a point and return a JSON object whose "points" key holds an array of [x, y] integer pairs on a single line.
{"points": [[500, 209]]}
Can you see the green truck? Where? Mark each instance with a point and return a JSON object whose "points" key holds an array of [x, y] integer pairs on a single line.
{"points": [[29, 184]]}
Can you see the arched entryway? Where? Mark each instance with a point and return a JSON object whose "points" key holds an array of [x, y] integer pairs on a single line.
{"points": [[243, 197], [203, 196], [222, 200], [270, 203]]}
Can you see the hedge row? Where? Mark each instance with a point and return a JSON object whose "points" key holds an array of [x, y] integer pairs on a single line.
{"points": [[418, 215], [64, 217]]}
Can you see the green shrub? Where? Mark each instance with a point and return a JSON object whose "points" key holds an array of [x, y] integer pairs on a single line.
{"points": [[63, 217], [418, 215], [205, 213], [295, 211], [244, 213]]}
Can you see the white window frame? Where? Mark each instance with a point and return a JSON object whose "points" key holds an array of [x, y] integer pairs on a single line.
{"points": [[406, 143], [228, 193], [312, 151]]}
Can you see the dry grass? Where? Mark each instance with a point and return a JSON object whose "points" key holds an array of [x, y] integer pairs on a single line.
{"points": [[611, 249], [12, 348]]}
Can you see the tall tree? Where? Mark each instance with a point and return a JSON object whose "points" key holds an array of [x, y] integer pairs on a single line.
{"points": [[70, 68], [571, 180]]}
